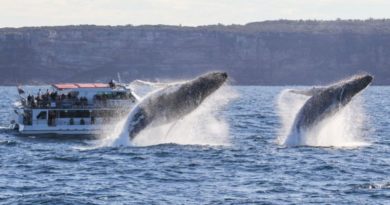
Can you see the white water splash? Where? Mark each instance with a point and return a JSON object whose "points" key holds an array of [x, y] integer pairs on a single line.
{"points": [[204, 126], [344, 129]]}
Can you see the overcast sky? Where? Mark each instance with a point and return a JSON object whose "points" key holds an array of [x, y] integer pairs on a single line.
{"points": [[18, 13]]}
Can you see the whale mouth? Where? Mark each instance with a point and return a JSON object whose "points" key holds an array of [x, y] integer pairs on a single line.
{"points": [[363, 79], [224, 75], [366, 79], [361, 82], [221, 76], [217, 78]]}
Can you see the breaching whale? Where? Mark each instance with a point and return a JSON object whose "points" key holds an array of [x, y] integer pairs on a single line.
{"points": [[173, 102], [325, 102]]}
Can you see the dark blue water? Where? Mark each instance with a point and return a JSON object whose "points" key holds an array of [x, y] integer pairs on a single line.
{"points": [[254, 168]]}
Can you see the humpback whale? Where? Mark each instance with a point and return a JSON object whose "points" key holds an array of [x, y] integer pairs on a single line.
{"points": [[325, 102], [173, 102]]}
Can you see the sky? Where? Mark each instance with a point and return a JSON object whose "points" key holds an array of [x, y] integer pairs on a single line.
{"points": [[19, 13]]}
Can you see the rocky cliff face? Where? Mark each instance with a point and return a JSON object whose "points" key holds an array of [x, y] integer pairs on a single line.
{"points": [[266, 53]]}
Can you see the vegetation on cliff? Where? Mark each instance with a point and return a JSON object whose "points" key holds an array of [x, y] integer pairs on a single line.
{"points": [[262, 53]]}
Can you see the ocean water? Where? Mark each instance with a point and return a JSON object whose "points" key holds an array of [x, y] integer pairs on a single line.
{"points": [[230, 151]]}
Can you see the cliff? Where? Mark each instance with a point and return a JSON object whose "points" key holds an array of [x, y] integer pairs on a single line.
{"points": [[263, 53]]}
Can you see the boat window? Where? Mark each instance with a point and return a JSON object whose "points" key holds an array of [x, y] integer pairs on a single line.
{"points": [[42, 115], [74, 114]]}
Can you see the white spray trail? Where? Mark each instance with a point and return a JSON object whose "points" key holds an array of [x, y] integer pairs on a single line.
{"points": [[203, 126], [344, 129]]}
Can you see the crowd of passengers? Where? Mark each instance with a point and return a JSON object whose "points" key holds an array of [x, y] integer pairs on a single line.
{"points": [[53, 99]]}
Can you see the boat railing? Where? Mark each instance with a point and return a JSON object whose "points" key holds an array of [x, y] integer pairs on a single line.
{"points": [[76, 104], [52, 122]]}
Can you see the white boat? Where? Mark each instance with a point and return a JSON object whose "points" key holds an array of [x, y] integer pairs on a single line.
{"points": [[73, 109]]}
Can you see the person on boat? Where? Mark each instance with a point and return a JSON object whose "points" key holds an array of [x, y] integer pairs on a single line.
{"points": [[112, 83], [53, 96], [32, 101], [29, 99]]}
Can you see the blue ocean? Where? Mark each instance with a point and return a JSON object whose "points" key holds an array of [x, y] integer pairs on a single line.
{"points": [[229, 151]]}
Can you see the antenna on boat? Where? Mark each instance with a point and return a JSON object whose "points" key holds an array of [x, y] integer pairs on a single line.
{"points": [[119, 77]]}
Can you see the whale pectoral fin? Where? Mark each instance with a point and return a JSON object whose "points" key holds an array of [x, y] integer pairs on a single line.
{"points": [[138, 123], [308, 92], [135, 129]]}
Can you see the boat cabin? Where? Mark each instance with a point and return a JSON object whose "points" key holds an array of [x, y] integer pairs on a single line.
{"points": [[74, 108]]}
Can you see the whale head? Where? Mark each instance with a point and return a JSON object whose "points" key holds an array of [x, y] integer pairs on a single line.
{"points": [[352, 86], [208, 83]]}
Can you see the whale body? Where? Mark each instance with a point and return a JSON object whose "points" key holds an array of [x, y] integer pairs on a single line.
{"points": [[325, 102], [173, 102]]}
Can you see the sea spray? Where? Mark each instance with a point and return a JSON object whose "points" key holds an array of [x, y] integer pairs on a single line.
{"points": [[203, 126], [344, 129], [288, 105]]}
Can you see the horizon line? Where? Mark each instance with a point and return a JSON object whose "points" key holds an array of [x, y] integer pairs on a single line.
{"points": [[196, 26]]}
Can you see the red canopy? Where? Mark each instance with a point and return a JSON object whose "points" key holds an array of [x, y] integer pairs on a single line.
{"points": [[101, 85], [65, 86]]}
